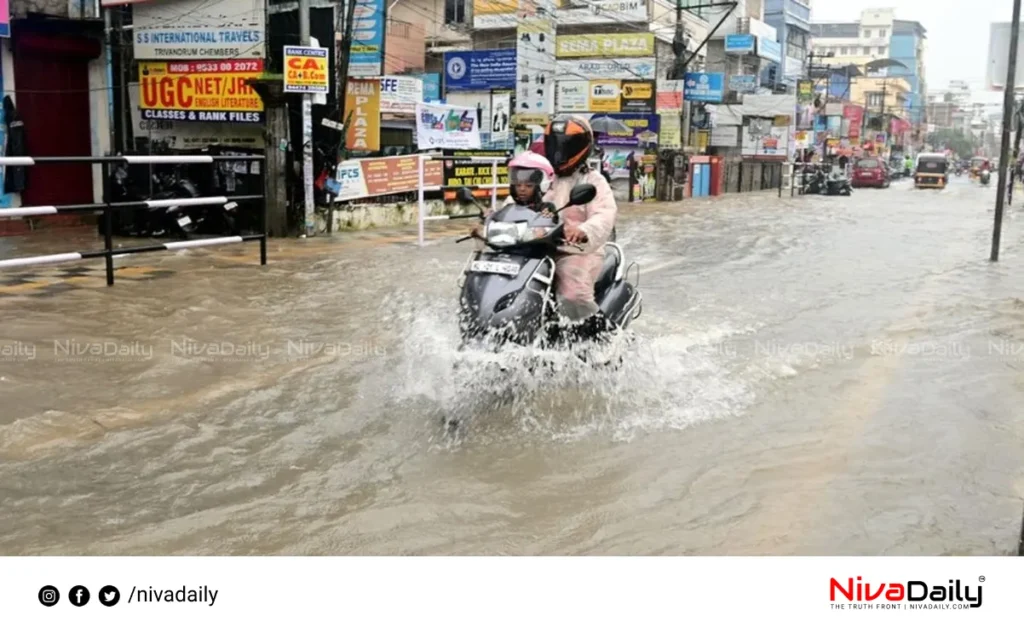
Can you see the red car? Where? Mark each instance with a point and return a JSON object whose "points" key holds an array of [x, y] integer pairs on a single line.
{"points": [[870, 172]]}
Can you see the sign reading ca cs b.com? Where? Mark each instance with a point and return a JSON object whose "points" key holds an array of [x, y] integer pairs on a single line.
{"points": [[305, 69]]}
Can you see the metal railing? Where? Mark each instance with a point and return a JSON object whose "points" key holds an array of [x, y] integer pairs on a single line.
{"points": [[108, 208]]}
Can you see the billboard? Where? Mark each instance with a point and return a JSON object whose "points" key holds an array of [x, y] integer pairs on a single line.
{"points": [[502, 14], [200, 91], [383, 176], [586, 69], [480, 70], [997, 64], [605, 45], [366, 55], [181, 29]]}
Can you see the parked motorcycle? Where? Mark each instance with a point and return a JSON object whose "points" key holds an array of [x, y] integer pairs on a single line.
{"points": [[507, 291], [177, 221], [818, 182]]}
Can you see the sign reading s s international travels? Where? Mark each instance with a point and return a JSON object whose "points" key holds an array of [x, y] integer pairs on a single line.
{"points": [[181, 29]]}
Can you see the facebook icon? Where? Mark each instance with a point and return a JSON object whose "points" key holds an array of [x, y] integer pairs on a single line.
{"points": [[79, 596]]}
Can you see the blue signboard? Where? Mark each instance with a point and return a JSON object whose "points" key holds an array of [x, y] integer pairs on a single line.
{"points": [[743, 83], [769, 49], [366, 55], [431, 86], [480, 70], [739, 43], [704, 87]]}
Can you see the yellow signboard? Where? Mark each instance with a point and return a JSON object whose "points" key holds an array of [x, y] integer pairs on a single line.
{"points": [[305, 69], [362, 112], [637, 90], [605, 45], [494, 7], [604, 96], [215, 91]]}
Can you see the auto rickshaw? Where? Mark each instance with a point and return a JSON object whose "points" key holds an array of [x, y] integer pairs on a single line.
{"points": [[931, 172], [979, 164]]}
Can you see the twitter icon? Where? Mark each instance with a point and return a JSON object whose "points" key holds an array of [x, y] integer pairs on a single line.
{"points": [[109, 596]]}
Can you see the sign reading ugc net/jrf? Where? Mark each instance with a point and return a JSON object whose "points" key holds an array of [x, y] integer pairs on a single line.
{"points": [[215, 91], [305, 69]]}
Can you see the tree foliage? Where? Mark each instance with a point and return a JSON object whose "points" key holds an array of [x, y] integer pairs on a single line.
{"points": [[955, 140]]}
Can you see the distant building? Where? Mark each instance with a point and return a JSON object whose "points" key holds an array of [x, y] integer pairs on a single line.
{"points": [[879, 35], [792, 21]]}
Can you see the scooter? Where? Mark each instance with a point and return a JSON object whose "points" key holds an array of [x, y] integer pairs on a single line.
{"points": [[507, 294], [838, 186], [985, 177]]}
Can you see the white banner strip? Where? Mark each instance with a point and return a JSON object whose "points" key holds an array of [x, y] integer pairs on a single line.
{"points": [[515, 594]]}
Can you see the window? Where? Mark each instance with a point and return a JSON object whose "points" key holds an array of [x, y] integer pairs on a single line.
{"points": [[454, 11], [867, 50], [868, 163], [875, 100], [881, 33], [881, 51], [867, 34], [845, 50]]}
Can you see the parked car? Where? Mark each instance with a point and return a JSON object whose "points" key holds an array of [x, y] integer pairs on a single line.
{"points": [[870, 172]]}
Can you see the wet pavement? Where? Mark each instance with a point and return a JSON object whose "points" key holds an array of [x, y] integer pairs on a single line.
{"points": [[814, 375]]}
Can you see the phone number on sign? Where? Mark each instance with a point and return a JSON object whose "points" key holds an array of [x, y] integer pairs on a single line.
{"points": [[234, 66]]}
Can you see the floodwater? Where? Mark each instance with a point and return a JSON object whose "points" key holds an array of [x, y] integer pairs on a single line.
{"points": [[810, 376]]}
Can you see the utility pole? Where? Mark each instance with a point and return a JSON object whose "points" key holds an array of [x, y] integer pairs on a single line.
{"points": [[679, 45], [307, 132], [341, 74], [1004, 152]]}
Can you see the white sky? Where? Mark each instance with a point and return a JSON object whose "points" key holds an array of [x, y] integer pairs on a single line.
{"points": [[958, 33]]}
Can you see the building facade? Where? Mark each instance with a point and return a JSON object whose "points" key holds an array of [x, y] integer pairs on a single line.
{"points": [[879, 35], [792, 20]]}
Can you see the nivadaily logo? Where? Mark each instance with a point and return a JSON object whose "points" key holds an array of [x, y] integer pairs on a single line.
{"points": [[914, 594]]}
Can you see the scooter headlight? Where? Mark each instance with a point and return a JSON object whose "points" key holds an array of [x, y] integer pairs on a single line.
{"points": [[507, 233]]}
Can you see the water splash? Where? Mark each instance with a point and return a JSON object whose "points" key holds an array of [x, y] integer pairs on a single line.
{"points": [[664, 380]]}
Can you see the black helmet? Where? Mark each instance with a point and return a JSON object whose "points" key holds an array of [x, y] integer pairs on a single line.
{"points": [[568, 142]]}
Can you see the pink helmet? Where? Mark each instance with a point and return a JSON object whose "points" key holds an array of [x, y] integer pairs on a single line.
{"points": [[532, 168]]}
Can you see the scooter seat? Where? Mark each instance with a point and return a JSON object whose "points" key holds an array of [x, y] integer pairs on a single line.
{"points": [[612, 260]]}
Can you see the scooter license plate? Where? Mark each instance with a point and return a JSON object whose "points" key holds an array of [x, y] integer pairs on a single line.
{"points": [[184, 221], [498, 268]]}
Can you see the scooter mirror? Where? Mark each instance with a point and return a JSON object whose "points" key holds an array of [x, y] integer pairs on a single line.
{"points": [[582, 194], [465, 196]]}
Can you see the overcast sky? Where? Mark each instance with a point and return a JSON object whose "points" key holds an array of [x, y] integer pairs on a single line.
{"points": [[958, 32]]}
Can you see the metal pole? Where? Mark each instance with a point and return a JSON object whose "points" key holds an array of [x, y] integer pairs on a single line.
{"points": [[494, 185], [108, 229], [342, 76], [422, 160], [1004, 152], [263, 214], [307, 131]]}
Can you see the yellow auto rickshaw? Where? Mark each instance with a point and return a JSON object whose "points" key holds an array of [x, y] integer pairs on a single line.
{"points": [[931, 172], [978, 165]]}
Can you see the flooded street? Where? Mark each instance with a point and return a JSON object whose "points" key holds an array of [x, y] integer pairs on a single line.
{"points": [[815, 375]]}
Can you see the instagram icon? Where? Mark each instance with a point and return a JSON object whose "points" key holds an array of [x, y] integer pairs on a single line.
{"points": [[49, 596]]}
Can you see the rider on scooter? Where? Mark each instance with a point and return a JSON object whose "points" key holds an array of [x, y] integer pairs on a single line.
{"points": [[529, 176], [568, 143]]}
